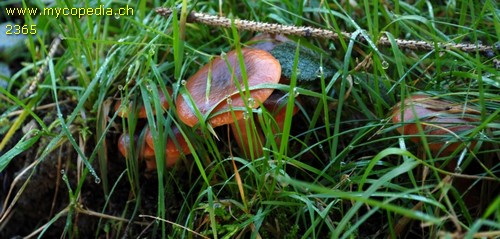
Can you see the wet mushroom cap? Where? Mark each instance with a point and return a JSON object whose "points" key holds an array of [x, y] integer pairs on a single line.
{"points": [[261, 68], [147, 154], [267, 41], [142, 111], [172, 152], [440, 119]]}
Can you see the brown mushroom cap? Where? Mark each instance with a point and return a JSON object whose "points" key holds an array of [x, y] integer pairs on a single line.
{"points": [[142, 111], [261, 67], [147, 154], [267, 41], [172, 153], [437, 117]]}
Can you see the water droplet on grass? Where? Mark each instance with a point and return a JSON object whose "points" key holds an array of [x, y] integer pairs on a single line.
{"points": [[117, 16], [245, 115], [183, 82], [385, 65], [251, 102]]}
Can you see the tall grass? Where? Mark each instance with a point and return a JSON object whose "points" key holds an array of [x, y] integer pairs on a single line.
{"points": [[338, 169]]}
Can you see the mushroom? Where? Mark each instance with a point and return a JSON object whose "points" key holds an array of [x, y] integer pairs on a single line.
{"points": [[215, 88], [172, 153], [442, 122], [146, 153], [267, 41], [275, 104], [142, 111]]}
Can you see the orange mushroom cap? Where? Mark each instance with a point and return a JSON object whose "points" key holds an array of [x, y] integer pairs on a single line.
{"points": [[147, 154], [261, 67], [172, 153], [438, 118], [142, 111]]}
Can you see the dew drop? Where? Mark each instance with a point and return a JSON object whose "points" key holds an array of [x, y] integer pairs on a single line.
{"points": [[120, 87], [356, 81], [331, 46], [385, 65], [251, 102], [183, 82], [152, 51], [63, 172], [319, 72], [94, 174], [458, 170], [223, 55], [350, 147], [296, 92], [148, 88], [342, 164], [245, 115], [117, 16], [229, 101]]}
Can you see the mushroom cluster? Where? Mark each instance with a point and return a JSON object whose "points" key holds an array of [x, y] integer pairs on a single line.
{"points": [[220, 93], [444, 124], [175, 146]]}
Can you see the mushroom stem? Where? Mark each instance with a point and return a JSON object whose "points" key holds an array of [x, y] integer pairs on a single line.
{"points": [[275, 105]]}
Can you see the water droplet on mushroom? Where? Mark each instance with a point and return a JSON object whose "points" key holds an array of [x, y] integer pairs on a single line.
{"points": [[229, 101], [117, 16], [183, 82], [385, 65], [251, 102]]}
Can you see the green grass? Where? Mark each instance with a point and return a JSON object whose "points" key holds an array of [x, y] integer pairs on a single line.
{"points": [[339, 169]]}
